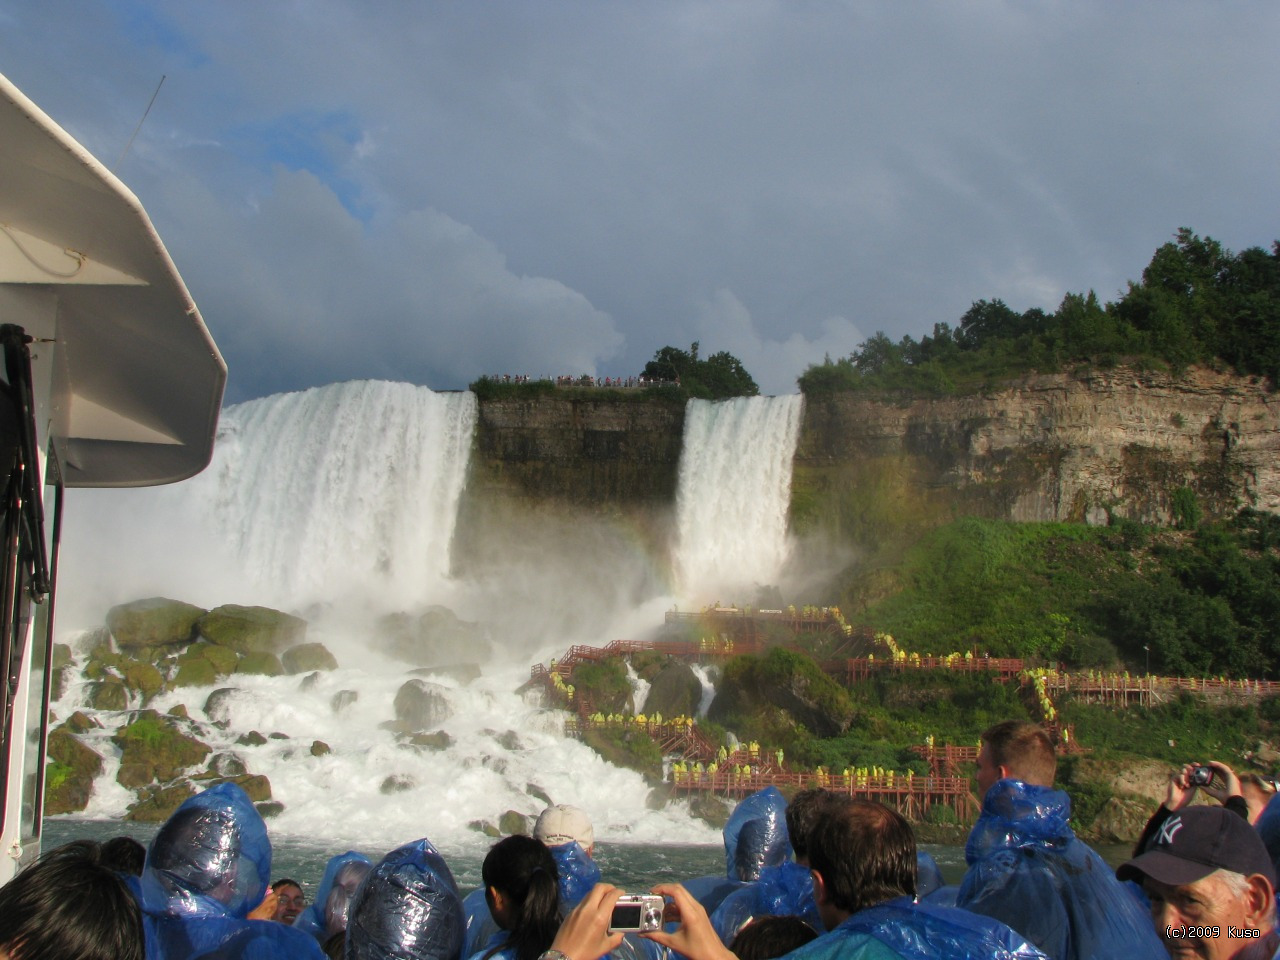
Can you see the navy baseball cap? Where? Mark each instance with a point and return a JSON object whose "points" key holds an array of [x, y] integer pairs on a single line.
{"points": [[1196, 841]]}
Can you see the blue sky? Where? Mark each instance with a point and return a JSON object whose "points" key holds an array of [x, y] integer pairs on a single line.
{"points": [[433, 191]]}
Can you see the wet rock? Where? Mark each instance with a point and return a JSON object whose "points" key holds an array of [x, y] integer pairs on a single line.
{"points": [[269, 809], [307, 657], [217, 706], [62, 656], [70, 773], [144, 678], [179, 710], [251, 629], [343, 699], [434, 637], [319, 748], [675, 691], [251, 739], [256, 786], [226, 765], [509, 740], [438, 740], [535, 791], [153, 749], [420, 705], [1121, 820], [397, 783], [81, 723], [196, 673], [109, 694], [155, 623], [487, 827], [260, 663], [156, 806], [711, 810], [309, 681], [513, 822]]}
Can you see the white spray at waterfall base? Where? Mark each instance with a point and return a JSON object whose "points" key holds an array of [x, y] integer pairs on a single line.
{"points": [[341, 504]]}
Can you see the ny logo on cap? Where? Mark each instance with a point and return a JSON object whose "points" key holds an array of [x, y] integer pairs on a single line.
{"points": [[1169, 830]]}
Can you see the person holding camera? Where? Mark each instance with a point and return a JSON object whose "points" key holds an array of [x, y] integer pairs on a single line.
{"points": [[1214, 778]]}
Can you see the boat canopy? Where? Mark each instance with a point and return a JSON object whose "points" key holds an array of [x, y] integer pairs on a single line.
{"points": [[129, 381]]}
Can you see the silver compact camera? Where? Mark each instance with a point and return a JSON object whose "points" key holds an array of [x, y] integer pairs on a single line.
{"points": [[1201, 776], [637, 913]]}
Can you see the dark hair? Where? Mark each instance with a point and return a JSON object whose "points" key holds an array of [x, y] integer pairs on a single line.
{"points": [[68, 905], [523, 870], [1024, 749], [768, 937], [802, 813], [334, 946], [865, 852], [124, 855]]}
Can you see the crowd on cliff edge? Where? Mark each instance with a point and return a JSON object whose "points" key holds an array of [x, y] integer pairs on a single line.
{"points": [[823, 876]]}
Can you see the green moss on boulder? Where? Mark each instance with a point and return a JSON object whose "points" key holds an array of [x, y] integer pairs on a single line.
{"points": [[109, 694], [195, 673], [70, 773], [260, 663], [154, 623], [252, 629], [306, 657], [155, 749], [144, 678], [156, 806]]}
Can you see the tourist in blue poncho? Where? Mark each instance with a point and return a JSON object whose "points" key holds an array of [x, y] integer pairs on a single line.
{"points": [[863, 856], [755, 837], [205, 870], [327, 914], [407, 908], [1028, 869]]}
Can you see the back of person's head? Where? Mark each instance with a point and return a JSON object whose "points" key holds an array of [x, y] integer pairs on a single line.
{"points": [[768, 937], [211, 857], [407, 908], [68, 905], [523, 871], [865, 853], [748, 850], [124, 855], [337, 905], [802, 813], [1024, 749]]}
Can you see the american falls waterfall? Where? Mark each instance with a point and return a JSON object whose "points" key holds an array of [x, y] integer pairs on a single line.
{"points": [[339, 504], [733, 496]]}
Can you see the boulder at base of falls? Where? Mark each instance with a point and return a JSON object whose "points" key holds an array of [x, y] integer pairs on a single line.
{"points": [[420, 705], [432, 638], [251, 629], [306, 657], [109, 694], [69, 776], [675, 691], [710, 809], [153, 624], [397, 783], [157, 805], [260, 663], [154, 749], [487, 827], [513, 823]]}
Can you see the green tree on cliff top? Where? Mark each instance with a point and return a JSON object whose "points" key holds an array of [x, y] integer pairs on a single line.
{"points": [[719, 376]]}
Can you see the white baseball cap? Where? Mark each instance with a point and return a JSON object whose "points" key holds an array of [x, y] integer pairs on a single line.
{"points": [[561, 823]]}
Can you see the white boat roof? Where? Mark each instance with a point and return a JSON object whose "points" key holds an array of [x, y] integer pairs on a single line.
{"points": [[132, 379]]}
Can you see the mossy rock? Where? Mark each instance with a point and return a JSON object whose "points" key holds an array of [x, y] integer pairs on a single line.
{"points": [[179, 710], [57, 683], [319, 748], [255, 785], [109, 694], [80, 722], [154, 749], [269, 809], [487, 827], [252, 629], [227, 765], [144, 678], [196, 673], [675, 691], [710, 809], [535, 791], [306, 657], [222, 659], [438, 740], [153, 624], [217, 705], [251, 739], [260, 663], [62, 656], [158, 805], [434, 637], [70, 773], [513, 822], [104, 663]]}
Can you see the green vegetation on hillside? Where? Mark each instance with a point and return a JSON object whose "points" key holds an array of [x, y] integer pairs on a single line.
{"points": [[718, 377], [1205, 602], [1196, 303]]}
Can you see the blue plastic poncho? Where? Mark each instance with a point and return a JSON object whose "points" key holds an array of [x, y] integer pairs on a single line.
{"points": [[928, 875], [578, 873], [755, 837], [408, 908], [264, 940], [785, 890], [1268, 827], [479, 927], [1027, 869], [206, 869], [921, 931], [327, 913]]}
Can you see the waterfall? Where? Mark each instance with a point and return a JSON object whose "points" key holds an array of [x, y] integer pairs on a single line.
{"points": [[340, 503], [639, 689], [704, 675], [733, 496]]}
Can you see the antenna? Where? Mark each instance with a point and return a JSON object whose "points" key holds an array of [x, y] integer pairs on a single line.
{"points": [[140, 123]]}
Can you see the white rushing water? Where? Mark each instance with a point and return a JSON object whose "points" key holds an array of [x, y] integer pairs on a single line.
{"points": [[706, 677], [733, 496], [340, 504]]}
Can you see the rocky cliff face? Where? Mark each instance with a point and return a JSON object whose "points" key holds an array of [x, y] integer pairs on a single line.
{"points": [[1047, 448]]}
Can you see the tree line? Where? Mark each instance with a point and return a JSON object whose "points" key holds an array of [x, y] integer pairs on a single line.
{"points": [[1197, 303]]}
